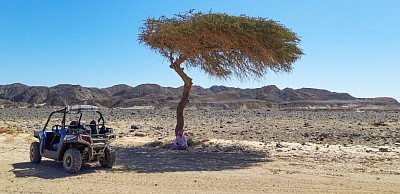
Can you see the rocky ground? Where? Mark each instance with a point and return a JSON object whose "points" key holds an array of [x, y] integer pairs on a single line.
{"points": [[232, 151], [347, 127]]}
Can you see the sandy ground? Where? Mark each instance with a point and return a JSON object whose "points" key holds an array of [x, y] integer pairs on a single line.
{"points": [[214, 163]]}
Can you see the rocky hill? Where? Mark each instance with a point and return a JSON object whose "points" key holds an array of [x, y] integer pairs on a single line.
{"points": [[123, 96]]}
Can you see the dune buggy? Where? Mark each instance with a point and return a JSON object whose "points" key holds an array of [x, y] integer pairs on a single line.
{"points": [[76, 143]]}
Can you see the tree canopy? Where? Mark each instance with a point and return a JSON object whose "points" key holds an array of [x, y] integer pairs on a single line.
{"points": [[222, 45]]}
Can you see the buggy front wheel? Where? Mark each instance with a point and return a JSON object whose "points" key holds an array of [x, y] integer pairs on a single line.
{"points": [[35, 156]]}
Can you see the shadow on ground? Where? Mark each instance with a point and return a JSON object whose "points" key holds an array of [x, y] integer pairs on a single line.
{"points": [[147, 159], [48, 169], [155, 159]]}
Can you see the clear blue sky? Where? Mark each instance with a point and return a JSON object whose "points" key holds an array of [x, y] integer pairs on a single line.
{"points": [[351, 46]]}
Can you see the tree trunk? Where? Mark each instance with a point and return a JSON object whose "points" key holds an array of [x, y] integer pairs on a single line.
{"points": [[180, 122]]}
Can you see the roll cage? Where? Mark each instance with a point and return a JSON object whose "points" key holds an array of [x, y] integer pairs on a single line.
{"points": [[77, 109]]}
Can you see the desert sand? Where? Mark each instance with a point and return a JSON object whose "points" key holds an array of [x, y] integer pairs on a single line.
{"points": [[231, 151]]}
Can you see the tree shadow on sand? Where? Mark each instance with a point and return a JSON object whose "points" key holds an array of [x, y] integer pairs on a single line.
{"points": [[203, 157], [153, 158]]}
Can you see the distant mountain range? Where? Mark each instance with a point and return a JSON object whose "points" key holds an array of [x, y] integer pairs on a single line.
{"points": [[124, 96]]}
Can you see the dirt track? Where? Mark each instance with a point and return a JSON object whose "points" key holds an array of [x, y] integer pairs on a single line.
{"points": [[213, 164]]}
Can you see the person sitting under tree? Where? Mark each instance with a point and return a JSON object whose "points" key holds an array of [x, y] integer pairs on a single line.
{"points": [[180, 142]]}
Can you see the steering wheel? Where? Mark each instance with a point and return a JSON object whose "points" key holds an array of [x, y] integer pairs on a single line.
{"points": [[56, 128]]}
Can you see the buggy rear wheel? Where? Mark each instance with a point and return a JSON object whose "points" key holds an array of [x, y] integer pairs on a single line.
{"points": [[35, 156], [72, 161], [107, 160]]}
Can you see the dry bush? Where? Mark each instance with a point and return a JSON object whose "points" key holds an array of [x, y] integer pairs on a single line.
{"points": [[379, 123], [10, 131]]}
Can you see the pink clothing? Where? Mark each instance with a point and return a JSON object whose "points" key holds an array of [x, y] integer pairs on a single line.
{"points": [[180, 143]]}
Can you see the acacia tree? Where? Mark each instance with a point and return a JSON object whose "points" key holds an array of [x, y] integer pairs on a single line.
{"points": [[220, 45]]}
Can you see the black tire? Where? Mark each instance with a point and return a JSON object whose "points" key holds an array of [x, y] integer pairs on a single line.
{"points": [[107, 160], [35, 156], [72, 161]]}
